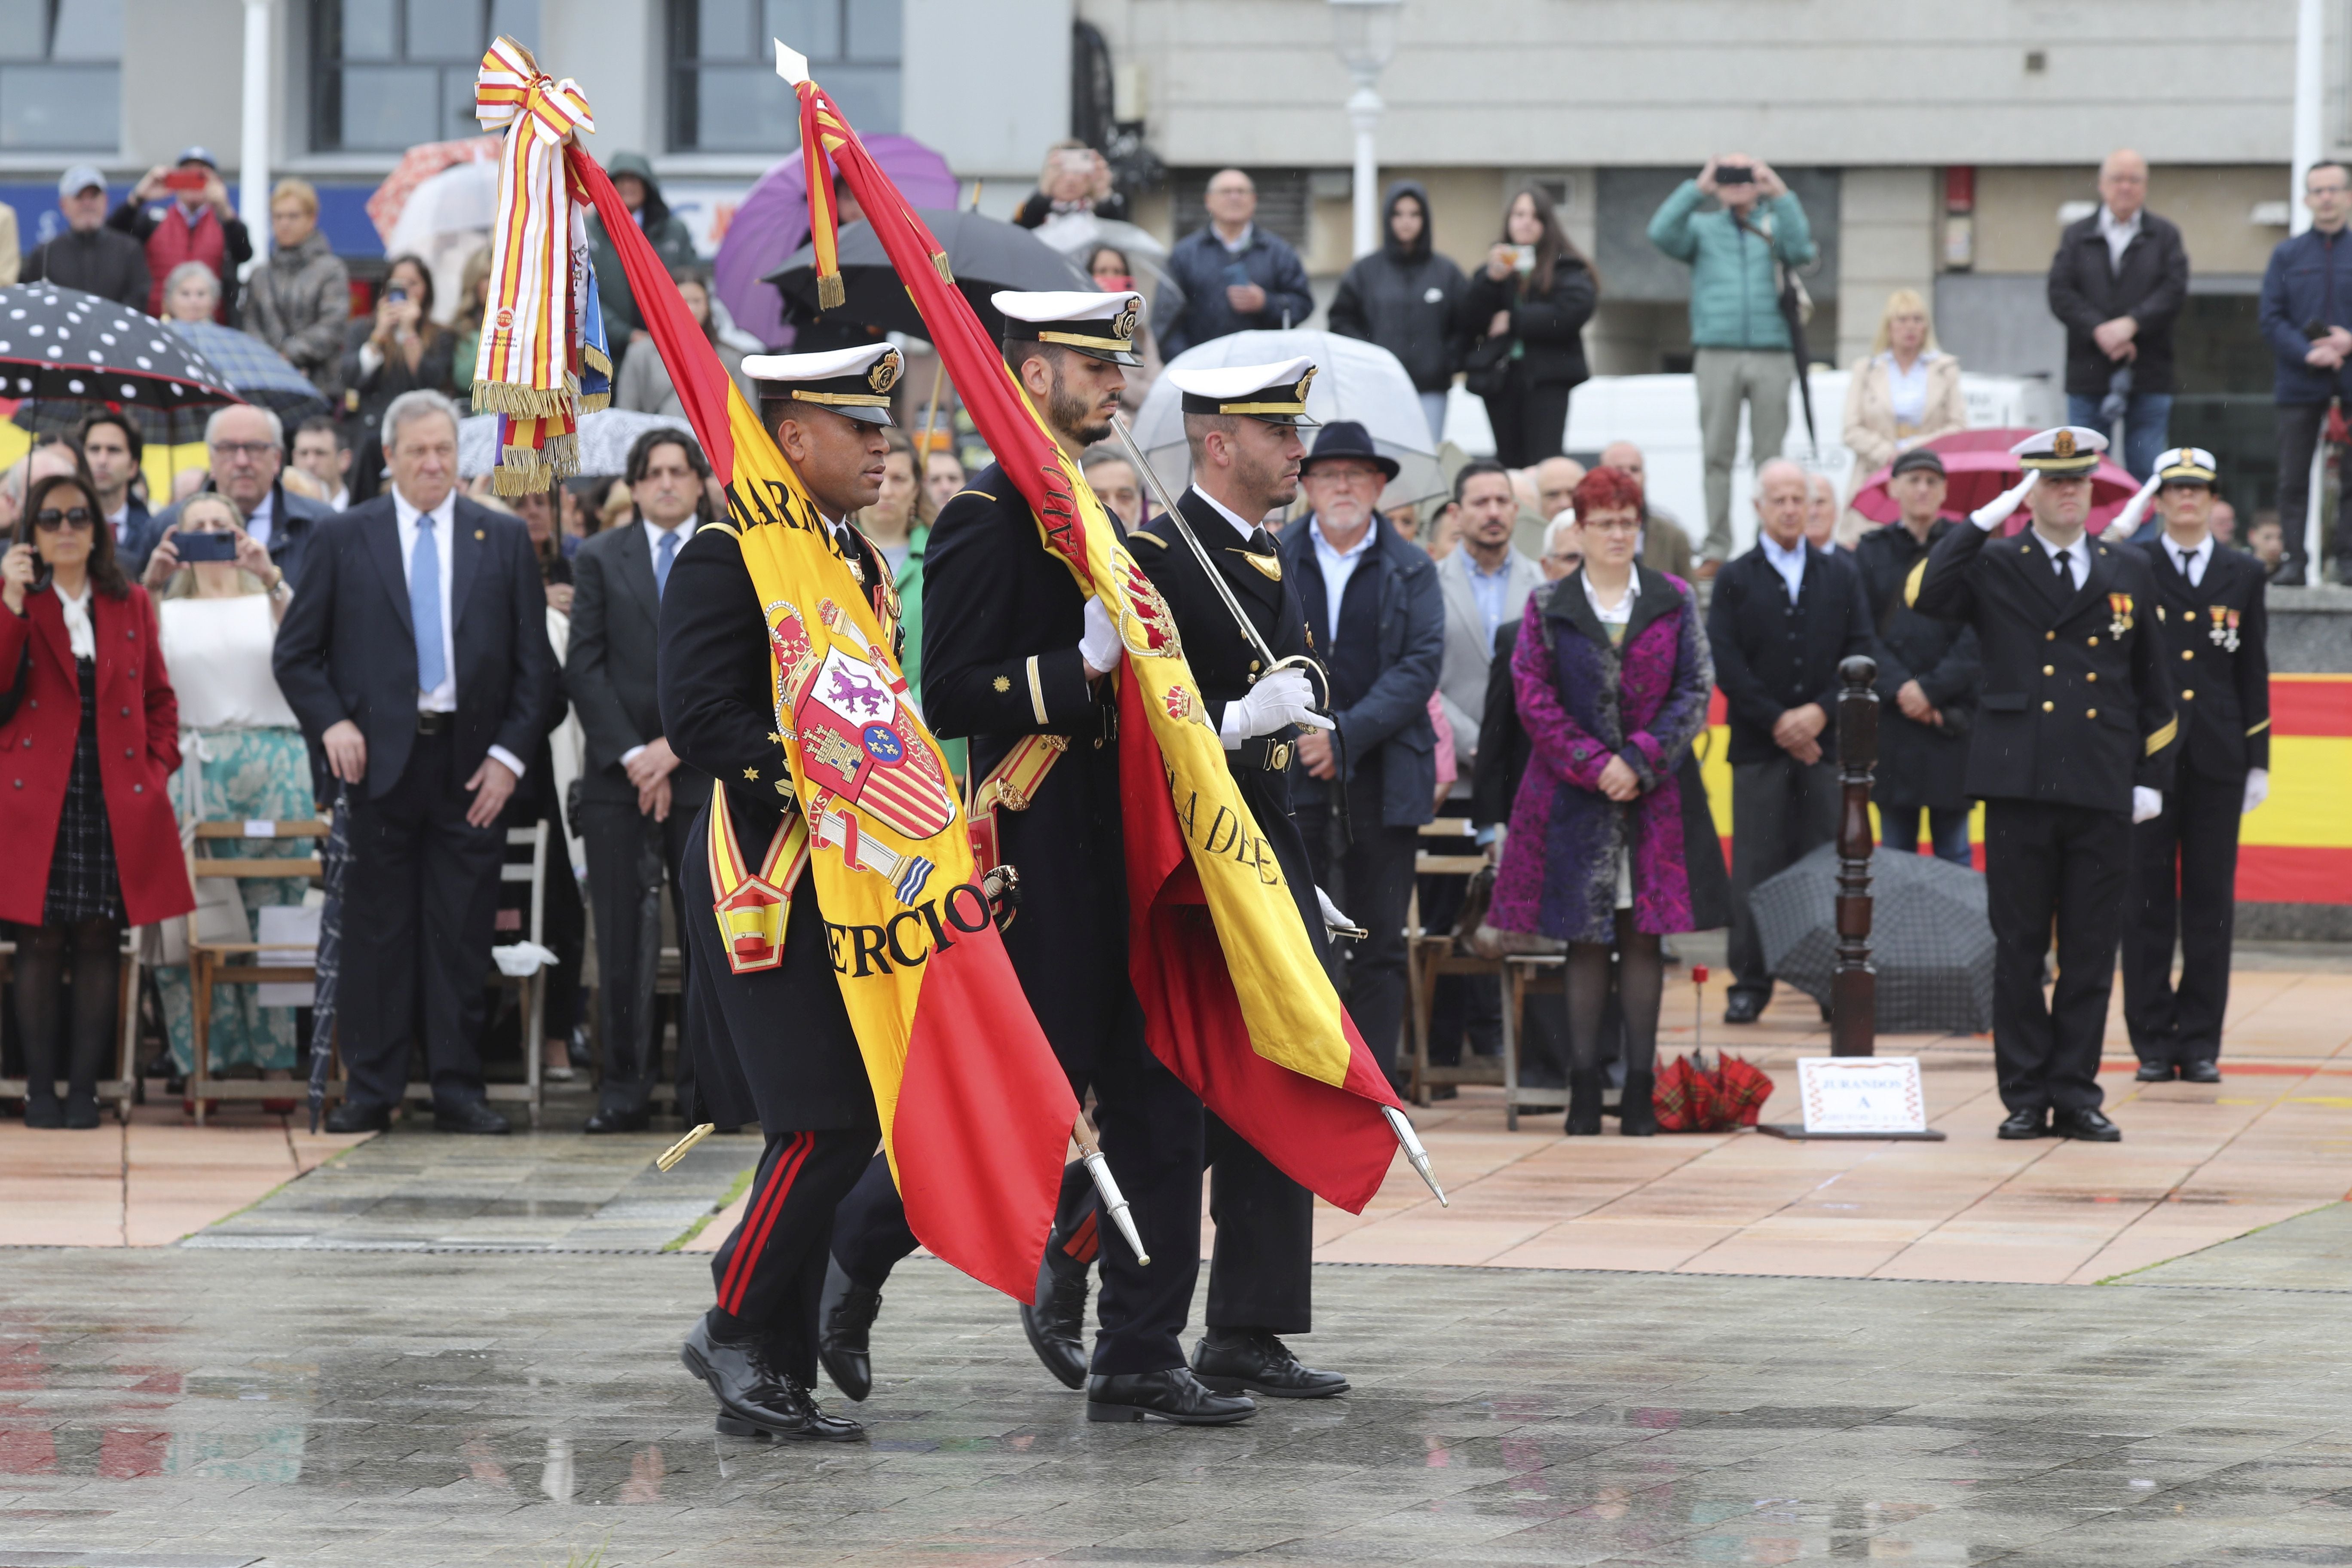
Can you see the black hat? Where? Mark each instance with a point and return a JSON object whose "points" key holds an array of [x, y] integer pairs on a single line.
{"points": [[1918, 457], [1346, 438], [854, 382]]}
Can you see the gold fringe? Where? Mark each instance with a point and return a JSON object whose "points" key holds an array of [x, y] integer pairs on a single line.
{"points": [[593, 402], [939, 260], [597, 359], [832, 294], [522, 402]]}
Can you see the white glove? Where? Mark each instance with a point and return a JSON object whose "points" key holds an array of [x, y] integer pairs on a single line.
{"points": [[1995, 512], [2127, 519], [1333, 916], [2258, 789], [2148, 804], [1100, 644], [1283, 698]]}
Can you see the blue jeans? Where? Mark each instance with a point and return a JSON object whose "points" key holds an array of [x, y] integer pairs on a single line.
{"points": [[2148, 418], [1947, 831]]}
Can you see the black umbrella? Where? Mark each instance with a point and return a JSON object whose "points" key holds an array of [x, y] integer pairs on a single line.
{"points": [[984, 252], [334, 866], [1931, 941], [65, 346]]}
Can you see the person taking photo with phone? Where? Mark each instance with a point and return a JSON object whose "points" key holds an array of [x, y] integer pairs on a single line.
{"points": [[183, 214], [1529, 306]]}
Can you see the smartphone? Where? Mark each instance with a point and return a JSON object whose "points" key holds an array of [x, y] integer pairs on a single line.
{"points": [[2314, 328], [396, 296], [205, 546], [1237, 275], [184, 180], [1523, 258], [1735, 174]]}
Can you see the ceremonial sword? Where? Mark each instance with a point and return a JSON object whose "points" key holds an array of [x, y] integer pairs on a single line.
{"points": [[1399, 1124]]}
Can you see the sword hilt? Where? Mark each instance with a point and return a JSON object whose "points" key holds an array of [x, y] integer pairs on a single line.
{"points": [[1114, 1201]]}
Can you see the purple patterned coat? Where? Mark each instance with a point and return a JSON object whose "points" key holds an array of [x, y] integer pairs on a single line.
{"points": [[1583, 702]]}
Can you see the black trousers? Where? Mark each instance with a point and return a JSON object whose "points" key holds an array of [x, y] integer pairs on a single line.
{"points": [[769, 1272], [1261, 1276], [1782, 809], [2066, 866], [2299, 428], [420, 904], [2184, 879], [1151, 1128], [1372, 879], [630, 857], [1530, 420]]}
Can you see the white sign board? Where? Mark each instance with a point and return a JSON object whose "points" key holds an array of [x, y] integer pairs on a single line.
{"points": [[1861, 1094]]}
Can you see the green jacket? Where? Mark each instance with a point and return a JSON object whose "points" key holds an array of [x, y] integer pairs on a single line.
{"points": [[909, 583], [1734, 304]]}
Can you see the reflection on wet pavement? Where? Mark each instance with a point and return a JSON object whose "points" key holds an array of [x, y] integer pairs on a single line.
{"points": [[336, 1407]]}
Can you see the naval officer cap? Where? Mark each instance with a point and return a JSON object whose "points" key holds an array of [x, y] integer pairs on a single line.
{"points": [[854, 382], [1097, 325], [2187, 466], [2068, 452], [1275, 394]]}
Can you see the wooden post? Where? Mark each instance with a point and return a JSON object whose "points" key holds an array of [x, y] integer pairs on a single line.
{"points": [[1853, 993]]}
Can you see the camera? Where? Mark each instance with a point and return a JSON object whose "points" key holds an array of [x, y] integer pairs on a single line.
{"points": [[395, 296], [1735, 173], [205, 546]]}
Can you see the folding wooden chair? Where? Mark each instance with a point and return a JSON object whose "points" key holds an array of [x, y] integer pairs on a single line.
{"points": [[1430, 954], [1527, 974], [212, 963], [531, 989]]}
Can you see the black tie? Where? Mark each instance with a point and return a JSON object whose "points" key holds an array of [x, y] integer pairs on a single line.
{"points": [[2058, 561], [2186, 556], [1261, 543]]}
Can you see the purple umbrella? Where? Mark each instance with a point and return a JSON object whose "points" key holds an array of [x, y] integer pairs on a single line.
{"points": [[773, 223]]}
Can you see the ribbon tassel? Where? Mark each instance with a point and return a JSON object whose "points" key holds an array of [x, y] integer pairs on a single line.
{"points": [[824, 233]]}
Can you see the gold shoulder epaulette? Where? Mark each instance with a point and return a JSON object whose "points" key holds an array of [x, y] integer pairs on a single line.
{"points": [[1152, 539]]}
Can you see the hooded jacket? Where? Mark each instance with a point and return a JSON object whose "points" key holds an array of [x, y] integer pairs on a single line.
{"points": [[1406, 299], [670, 240]]}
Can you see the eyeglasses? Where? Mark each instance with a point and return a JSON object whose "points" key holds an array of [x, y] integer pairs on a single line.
{"points": [[253, 450], [1612, 526], [51, 518]]}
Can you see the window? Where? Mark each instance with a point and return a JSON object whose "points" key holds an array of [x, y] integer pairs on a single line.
{"points": [[387, 74], [60, 75], [725, 95]]}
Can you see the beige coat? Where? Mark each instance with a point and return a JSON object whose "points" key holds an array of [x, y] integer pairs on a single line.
{"points": [[1870, 410]]}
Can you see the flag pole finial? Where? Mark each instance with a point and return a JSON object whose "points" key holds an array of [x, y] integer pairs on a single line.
{"points": [[791, 64]]}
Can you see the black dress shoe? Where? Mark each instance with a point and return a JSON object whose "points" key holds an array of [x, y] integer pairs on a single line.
{"points": [[2033, 1123], [844, 1319], [619, 1118], [2201, 1072], [1583, 1102], [1743, 1008], [467, 1116], [2153, 1072], [755, 1400], [1260, 1363], [81, 1109], [1174, 1394], [1637, 1107], [2089, 1126], [352, 1116], [1056, 1318], [45, 1111]]}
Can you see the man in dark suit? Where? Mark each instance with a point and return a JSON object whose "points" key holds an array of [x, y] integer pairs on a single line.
{"points": [[2214, 631], [415, 656], [111, 444], [1377, 618], [2117, 284], [247, 447], [2073, 743], [780, 1048], [638, 803], [1782, 618]]}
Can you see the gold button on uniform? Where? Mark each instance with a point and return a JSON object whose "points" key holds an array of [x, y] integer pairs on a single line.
{"points": [[2091, 713], [2049, 636], [2047, 706], [2094, 675], [2189, 696], [2188, 653], [2091, 642], [2048, 669]]}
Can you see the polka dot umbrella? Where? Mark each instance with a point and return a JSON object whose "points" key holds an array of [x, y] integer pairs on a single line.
{"points": [[63, 346]]}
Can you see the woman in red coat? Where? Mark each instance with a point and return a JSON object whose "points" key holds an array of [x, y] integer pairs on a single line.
{"points": [[88, 739]]}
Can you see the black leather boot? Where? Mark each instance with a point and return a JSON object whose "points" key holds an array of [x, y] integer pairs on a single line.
{"points": [[1637, 1111], [754, 1398], [1260, 1363], [1174, 1394], [844, 1319], [1584, 1102], [1056, 1318]]}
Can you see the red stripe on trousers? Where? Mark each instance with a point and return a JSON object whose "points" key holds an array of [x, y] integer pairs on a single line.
{"points": [[1082, 1243], [761, 1219]]}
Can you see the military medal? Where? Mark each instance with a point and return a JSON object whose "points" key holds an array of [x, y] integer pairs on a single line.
{"points": [[2223, 632], [2121, 621]]}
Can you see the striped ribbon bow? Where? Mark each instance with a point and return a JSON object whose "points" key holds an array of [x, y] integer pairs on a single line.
{"points": [[537, 341]]}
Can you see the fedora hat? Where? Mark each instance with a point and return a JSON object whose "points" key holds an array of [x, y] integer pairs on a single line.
{"points": [[1346, 438]]}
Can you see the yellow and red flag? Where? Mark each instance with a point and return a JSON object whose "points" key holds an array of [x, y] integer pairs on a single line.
{"points": [[1236, 1002], [976, 1113]]}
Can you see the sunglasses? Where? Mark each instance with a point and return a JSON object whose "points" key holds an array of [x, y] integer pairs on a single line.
{"points": [[51, 519]]}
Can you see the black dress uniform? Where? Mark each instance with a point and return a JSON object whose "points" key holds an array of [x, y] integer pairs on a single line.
{"points": [[2213, 633], [1920, 767], [2075, 711]]}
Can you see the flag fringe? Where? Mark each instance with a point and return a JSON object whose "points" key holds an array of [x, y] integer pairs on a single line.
{"points": [[939, 261], [523, 402], [526, 471], [832, 294]]}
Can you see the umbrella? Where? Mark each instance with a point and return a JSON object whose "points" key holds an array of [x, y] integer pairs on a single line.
{"points": [[772, 222], [1078, 235], [1691, 1096], [1980, 466], [605, 437], [1931, 941], [335, 863], [985, 254], [445, 221], [256, 372], [1358, 381], [416, 165], [63, 346]]}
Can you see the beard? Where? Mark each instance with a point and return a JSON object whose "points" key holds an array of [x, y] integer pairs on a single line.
{"points": [[1074, 416]]}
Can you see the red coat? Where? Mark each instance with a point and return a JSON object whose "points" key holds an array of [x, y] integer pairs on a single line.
{"points": [[138, 749]]}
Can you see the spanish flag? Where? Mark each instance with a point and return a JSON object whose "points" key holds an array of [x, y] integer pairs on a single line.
{"points": [[976, 1113], [1236, 1003]]}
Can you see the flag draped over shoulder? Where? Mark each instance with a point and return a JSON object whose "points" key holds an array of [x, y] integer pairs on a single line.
{"points": [[976, 1112], [1236, 1002]]}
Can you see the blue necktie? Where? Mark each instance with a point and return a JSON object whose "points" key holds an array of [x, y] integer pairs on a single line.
{"points": [[665, 553], [424, 605]]}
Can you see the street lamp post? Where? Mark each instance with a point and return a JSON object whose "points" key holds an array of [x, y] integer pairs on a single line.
{"points": [[1364, 33]]}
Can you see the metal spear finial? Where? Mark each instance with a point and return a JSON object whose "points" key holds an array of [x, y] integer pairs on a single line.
{"points": [[1402, 1128], [1114, 1201]]}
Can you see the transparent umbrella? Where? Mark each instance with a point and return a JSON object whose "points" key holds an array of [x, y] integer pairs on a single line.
{"points": [[1079, 235], [1357, 380]]}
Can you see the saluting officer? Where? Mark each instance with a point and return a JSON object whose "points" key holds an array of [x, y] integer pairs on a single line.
{"points": [[2073, 743], [2211, 623], [1242, 423], [794, 1063], [1015, 657]]}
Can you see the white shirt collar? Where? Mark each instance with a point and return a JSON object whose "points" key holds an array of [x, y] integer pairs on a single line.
{"points": [[408, 511], [2109, 224], [1325, 546], [1235, 247], [1624, 612], [682, 532], [2199, 553], [1248, 530], [1789, 563]]}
